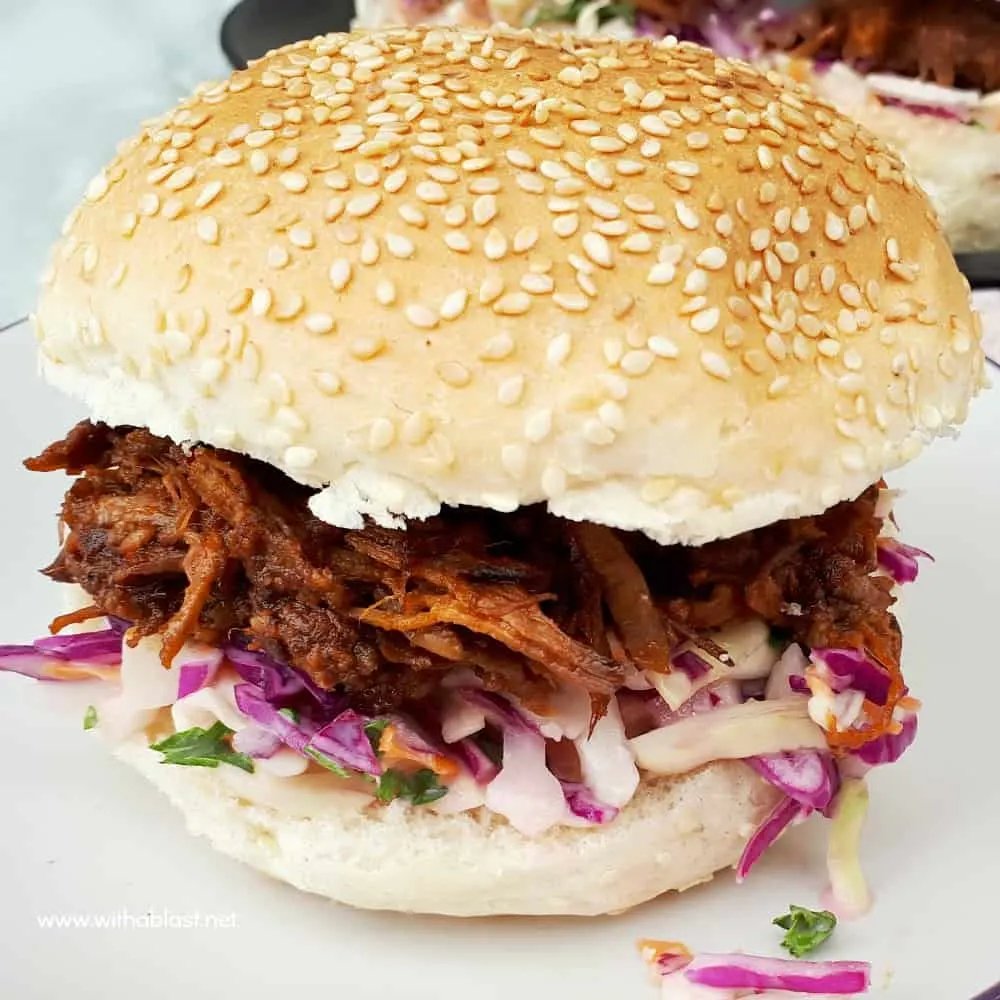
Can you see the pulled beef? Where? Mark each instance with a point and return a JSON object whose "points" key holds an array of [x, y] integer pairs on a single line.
{"points": [[206, 544], [950, 42]]}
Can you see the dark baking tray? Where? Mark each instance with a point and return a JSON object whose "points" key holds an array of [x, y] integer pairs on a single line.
{"points": [[254, 27]]}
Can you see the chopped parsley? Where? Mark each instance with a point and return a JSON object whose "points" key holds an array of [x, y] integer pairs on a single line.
{"points": [[290, 714], [90, 717], [779, 638], [328, 762], [805, 929], [570, 10], [374, 731], [420, 787], [198, 747]]}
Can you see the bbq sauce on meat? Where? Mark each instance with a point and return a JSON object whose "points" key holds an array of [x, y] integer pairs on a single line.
{"points": [[950, 42], [207, 544]]}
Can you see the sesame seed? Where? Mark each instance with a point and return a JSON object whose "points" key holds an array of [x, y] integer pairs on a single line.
{"points": [[775, 346], [454, 304], [400, 247], [181, 178], [733, 335], [715, 365], [801, 220], [431, 192], [421, 317], [697, 140], [537, 284], [558, 349], [362, 205], [381, 434], [566, 225], [149, 204], [413, 216], [778, 386], [851, 383], [531, 183], [828, 278], [510, 390], [484, 209], [636, 363], [906, 272], [98, 187], [787, 252], [228, 157], [455, 215], [835, 228], [340, 274], [319, 323], [772, 266], [663, 347], [490, 289], [458, 241], [852, 360], [571, 302], [612, 415], [686, 216], [756, 361], [712, 258], [512, 304], [385, 292], [260, 301], [637, 243], [366, 347], [525, 239], [416, 428], [724, 225], [597, 248], [706, 320], [207, 229], [696, 283], [597, 433], [538, 425], [662, 273], [760, 239], [301, 236]]}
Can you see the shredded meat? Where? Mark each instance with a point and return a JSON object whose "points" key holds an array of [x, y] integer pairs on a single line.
{"points": [[950, 42], [203, 543]]}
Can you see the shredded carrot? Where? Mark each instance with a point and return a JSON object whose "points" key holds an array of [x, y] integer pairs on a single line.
{"points": [[74, 618], [395, 751]]}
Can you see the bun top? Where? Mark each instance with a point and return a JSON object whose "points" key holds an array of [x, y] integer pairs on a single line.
{"points": [[653, 287]]}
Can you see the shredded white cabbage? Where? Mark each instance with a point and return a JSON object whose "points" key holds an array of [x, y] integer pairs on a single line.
{"points": [[731, 733]]}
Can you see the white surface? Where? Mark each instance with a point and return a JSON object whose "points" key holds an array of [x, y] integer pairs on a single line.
{"points": [[83, 835]]}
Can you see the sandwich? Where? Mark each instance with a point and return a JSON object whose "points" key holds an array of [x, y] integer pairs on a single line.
{"points": [[924, 75], [481, 508]]}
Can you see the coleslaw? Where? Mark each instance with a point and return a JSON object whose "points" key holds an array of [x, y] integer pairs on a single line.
{"points": [[810, 722]]}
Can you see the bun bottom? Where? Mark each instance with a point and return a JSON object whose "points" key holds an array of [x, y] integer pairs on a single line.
{"points": [[674, 834]]}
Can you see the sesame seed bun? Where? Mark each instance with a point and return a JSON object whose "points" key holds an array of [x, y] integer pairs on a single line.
{"points": [[655, 288], [675, 833]]}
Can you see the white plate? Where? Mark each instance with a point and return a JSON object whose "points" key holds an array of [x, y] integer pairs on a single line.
{"points": [[84, 837]]}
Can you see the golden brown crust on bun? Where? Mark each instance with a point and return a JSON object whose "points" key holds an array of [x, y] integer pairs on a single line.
{"points": [[653, 287]]}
